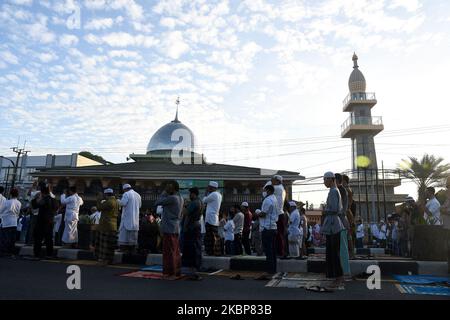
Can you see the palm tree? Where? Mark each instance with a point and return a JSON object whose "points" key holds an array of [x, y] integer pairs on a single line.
{"points": [[426, 172]]}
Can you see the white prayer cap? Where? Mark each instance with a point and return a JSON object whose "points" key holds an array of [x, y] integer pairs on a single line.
{"points": [[257, 211], [292, 204], [126, 186], [108, 190], [328, 174], [382, 221], [213, 184], [278, 177], [159, 210], [244, 204]]}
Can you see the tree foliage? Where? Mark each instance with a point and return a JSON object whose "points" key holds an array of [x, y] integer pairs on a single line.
{"points": [[429, 171]]}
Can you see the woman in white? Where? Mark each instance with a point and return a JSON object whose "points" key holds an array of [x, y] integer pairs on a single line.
{"points": [[295, 232], [9, 213], [73, 202]]}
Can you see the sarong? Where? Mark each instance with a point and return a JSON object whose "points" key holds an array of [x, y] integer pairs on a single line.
{"points": [[171, 255], [212, 240], [192, 249], [333, 263], [105, 244], [343, 253]]}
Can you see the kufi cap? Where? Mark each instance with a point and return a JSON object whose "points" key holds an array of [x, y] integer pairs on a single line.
{"points": [[257, 211], [292, 204], [278, 177], [108, 190], [213, 184], [244, 204], [328, 174], [126, 186]]}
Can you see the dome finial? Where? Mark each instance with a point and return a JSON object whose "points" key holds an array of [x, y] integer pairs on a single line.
{"points": [[355, 60], [176, 115]]}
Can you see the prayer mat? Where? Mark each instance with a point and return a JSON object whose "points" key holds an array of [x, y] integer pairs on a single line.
{"points": [[154, 268], [422, 279], [146, 275], [421, 289], [142, 275], [302, 280], [243, 274]]}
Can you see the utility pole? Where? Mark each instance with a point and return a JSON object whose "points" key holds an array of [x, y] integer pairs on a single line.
{"points": [[19, 152]]}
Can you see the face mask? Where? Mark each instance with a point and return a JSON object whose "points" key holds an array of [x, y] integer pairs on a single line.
{"points": [[264, 194]]}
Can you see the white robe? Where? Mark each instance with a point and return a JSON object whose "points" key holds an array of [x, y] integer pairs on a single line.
{"points": [[295, 234], [129, 224], [73, 204]]}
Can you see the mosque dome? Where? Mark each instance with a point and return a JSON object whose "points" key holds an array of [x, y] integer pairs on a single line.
{"points": [[356, 82], [171, 135]]}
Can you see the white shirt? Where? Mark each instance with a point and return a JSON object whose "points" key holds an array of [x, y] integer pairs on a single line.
{"points": [[294, 224], [9, 213], [202, 225], [270, 208], [375, 231], [280, 194], [360, 231], [229, 230], [58, 219], [434, 207], [212, 201], [96, 217], [131, 203], [73, 204], [2, 200], [238, 223], [382, 233]]}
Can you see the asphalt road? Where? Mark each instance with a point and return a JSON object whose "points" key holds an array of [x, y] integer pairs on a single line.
{"points": [[24, 279]]}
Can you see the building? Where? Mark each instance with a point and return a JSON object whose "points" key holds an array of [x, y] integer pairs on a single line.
{"points": [[373, 188], [170, 156], [314, 216], [27, 165]]}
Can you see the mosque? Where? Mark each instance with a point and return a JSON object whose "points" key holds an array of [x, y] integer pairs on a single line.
{"points": [[149, 171]]}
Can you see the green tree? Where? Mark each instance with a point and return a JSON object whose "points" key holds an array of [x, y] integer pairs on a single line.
{"points": [[429, 171]]}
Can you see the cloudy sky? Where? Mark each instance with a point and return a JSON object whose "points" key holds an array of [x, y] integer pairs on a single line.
{"points": [[261, 82]]}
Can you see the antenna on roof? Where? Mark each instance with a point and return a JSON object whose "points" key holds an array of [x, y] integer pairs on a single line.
{"points": [[176, 115]]}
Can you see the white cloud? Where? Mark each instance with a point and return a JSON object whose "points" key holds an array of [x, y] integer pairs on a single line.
{"points": [[8, 57], [38, 31], [98, 24], [95, 4], [68, 40], [22, 2], [174, 45], [124, 54], [122, 39], [409, 5], [46, 57]]}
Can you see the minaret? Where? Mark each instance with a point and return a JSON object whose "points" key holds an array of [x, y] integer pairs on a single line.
{"points": [[361, 127]]}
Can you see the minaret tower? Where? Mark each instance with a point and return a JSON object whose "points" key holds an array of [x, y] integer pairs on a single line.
{"points": [[361, 127]]}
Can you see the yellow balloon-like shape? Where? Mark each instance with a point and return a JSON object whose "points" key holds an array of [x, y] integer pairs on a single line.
{"points": [[363, 161]]}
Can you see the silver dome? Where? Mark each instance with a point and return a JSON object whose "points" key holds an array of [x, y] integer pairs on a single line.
{"points": [[356, 82], [162, 139]]}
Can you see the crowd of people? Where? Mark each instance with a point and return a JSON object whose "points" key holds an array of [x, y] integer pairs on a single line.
{"points": [[186, 229]]}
